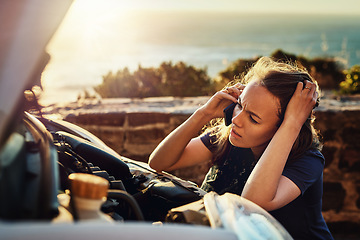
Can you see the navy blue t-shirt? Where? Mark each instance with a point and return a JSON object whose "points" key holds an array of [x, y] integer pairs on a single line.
{"points": [[302, 218]]}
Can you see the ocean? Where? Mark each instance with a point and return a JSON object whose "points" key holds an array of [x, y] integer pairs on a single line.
{"points": [[83, 51]]}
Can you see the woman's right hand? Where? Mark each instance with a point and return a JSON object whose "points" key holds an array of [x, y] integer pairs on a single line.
{"points": [[181, 148], [215, 105]]}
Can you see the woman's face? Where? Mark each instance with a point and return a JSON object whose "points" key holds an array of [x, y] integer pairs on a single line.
{"points": [[255, 118]]}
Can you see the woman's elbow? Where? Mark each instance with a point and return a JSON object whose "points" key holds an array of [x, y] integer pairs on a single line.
{"points": [[154, 164], [269, 205], [155, 167], [266, 205]]}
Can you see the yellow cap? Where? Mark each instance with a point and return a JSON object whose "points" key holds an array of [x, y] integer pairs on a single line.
{"points": [[88, 186]]}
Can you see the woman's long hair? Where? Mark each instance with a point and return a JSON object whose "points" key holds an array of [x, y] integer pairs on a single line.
{"points": [[280, 79]]}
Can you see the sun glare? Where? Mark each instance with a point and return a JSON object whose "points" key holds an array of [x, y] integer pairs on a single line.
{"points": [[88, 35], [85, 22]]}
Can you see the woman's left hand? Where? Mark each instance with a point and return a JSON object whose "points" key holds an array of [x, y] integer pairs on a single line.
{"points": [[301, 104]]}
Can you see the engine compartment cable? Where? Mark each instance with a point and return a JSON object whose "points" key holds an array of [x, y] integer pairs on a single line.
{"points": [[120, 194]]}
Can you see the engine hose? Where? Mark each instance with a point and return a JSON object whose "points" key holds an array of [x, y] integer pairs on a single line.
{"points": [[120, 194]]}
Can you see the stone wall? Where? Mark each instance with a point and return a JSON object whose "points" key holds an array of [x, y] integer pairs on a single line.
{"points": [[341, 199], [134, 128]]}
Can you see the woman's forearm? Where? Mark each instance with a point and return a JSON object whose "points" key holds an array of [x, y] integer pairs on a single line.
{"points": [[262, 186], [170, 150]]}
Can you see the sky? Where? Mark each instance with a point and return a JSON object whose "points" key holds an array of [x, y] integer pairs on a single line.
{"points": [[303, 6]]}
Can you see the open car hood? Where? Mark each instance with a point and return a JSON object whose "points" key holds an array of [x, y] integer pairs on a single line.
{"points": [[26, 27]]}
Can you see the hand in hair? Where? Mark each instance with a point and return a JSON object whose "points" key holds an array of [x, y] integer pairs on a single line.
{"points": [[301, 104]]}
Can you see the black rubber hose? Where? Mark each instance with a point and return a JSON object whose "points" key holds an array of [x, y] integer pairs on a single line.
{"points": [[120, 194]]}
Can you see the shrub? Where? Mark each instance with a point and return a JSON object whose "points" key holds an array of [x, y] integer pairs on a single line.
{"points": [[235, 70], [351, 84], [326, 71], [184, 81], [166, 80]]}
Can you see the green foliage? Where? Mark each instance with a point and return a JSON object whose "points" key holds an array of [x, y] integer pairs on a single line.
{"points": [[241, 66], [280, 55], [120, 84], [235, 70], [167, 80], [351, 84], [326, 71], [182, 80]]}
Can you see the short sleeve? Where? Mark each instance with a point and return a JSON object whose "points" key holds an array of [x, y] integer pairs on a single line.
{"points": [[209, 139], [306, 170]]}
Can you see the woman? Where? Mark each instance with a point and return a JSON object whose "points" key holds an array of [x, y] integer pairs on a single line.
{"points": [[269, 153]]}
